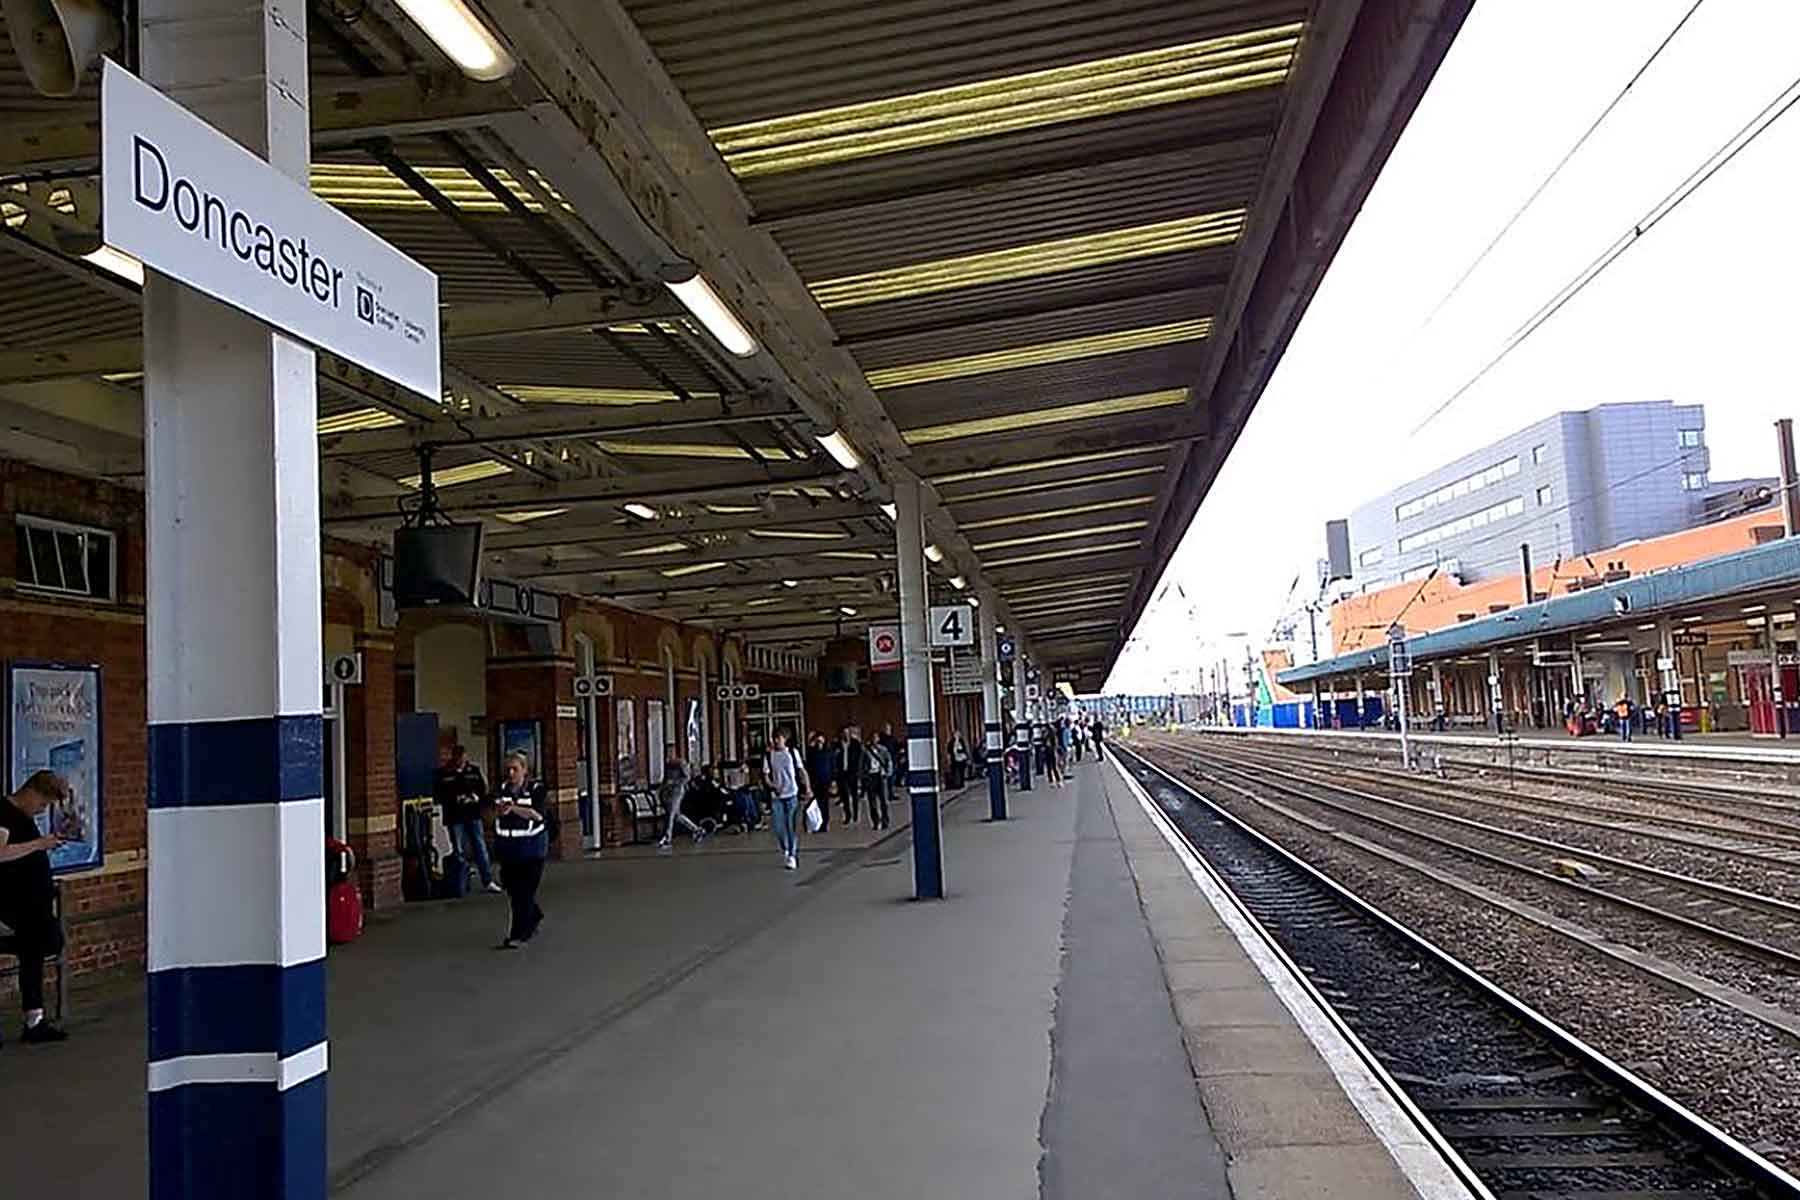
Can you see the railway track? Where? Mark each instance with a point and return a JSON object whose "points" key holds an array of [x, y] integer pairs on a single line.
{"points": [[1534, 1112], [1745, 922]]}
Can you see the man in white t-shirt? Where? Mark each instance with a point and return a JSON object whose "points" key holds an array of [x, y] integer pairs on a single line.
{"points": [[785, 775]]}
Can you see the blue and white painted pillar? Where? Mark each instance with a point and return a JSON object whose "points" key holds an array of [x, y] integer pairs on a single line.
{"points": [[236, 810], [990, 709], [921, 702], [1022, 718]]}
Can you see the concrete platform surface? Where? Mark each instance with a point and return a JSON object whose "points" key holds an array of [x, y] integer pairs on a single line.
{"points": [[1066, 1023]]}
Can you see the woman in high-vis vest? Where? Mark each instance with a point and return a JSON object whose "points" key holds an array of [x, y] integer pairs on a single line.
{"points": [[522, 838]]}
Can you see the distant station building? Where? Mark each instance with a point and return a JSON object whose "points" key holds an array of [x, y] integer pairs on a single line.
{"points": [[1566, 486]]}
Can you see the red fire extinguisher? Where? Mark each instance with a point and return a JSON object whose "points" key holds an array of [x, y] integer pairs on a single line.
{"points": [[343, 902]]}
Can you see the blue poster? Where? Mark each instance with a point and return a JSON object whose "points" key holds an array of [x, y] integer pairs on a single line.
{"points": [[53, 723]]}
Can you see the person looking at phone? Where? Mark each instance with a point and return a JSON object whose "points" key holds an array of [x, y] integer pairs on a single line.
{"points": [[28, 896], [522, 833]]}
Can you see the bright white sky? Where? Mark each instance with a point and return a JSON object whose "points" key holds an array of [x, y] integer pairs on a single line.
{"points": [[1701, 310]]}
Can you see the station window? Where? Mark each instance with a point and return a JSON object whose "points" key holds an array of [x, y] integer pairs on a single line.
{"points": [[1545, 494], [1693, 481], [1475, 520], [1457, 489], [68, 560], [1690, 438], [1369, 558], [1538, 454]]}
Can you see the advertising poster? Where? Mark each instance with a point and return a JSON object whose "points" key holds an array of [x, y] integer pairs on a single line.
{"points": [[53, 723], [519, 737]]}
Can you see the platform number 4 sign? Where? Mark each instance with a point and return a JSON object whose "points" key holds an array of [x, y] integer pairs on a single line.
{"points": [[952, 625]]}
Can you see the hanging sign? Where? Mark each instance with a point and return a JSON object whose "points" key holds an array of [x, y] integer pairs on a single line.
{"points": [[952, 625], [193, 204], [884, 647], [53, 724]]}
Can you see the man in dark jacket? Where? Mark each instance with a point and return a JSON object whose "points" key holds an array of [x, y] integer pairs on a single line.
{"points": [[458, 789], [28, 894], [821, 769], [849, 772]]}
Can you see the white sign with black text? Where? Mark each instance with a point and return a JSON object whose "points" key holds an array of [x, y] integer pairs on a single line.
{"points": [[952, 625], [193, 204]]}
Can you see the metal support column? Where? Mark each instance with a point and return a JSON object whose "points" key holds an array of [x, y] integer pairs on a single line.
{"points": [[236, 989], [1670, 668], [921, 708], [1437, 692], [1021, 720], [1496, 693], [1362, 716], [990, 711]]}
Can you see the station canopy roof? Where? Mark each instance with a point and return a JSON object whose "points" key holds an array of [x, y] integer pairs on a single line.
{"points": [[1710, 591], [1042, 255]]}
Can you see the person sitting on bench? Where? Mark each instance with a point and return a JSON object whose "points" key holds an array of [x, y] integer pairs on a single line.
{"points": [[28, 895]]}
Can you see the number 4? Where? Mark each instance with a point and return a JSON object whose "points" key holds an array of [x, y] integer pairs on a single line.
{"points": [[952, 626]]}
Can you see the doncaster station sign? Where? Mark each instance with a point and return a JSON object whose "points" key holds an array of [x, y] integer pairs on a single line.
{"points": [[189, 202]]}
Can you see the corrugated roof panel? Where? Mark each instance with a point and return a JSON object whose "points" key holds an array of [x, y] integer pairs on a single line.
{"points": [[575, 360], [750, 61], [41, 307]]}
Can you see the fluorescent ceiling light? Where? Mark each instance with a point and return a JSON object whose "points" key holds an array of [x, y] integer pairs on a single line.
{"points": [[759, 601], [1014, 358], [814, 535], [658, 548], [641, 511], [1650, 625], [1005, 104], [445, 477], [790, 583], [532, 393], [1046, 514], [698, 297], [355, 419], [684, 449], [1038, 417], [461, 36], [690, 569], [958, 582], [1690, 620], [933, 553], [733, 510], [1051, 485], [1041, 258], [1061, 535], [1071, 552], [839, 447], [1754, 608], [974, 601], [859, 555], [526, 515], [1046, 464], [846, 610], [893, 513], [118, 262]]}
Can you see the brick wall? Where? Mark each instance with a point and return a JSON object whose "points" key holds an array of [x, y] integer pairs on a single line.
{"points": [[103, 910]]}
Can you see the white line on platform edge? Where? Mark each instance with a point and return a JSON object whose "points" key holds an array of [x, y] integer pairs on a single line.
{"points": [[1418, 1159]]}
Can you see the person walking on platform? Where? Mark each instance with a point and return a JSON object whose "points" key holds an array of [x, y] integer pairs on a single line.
{"points": [[1623, 712], [852, 761], [459, 790], [784, 807], [672, 791], [821, 761], [879, 767], [959, 759], [28, 894], [1099, 738], [522, 834]]}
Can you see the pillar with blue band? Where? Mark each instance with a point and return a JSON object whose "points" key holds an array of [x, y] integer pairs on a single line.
{"points": [[921, 701], [1022, 721], [235, 796], [990, 710]]}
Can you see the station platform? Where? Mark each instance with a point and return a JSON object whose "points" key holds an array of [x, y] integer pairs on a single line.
{"points": [[1737, 756], [1074, 1020]]}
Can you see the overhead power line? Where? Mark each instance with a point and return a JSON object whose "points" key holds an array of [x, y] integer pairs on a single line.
{"points": [[1770, 113], [1547, 180]]}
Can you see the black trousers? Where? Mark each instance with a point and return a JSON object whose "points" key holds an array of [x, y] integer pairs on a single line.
{"points": [[850, 790], [520, 877], [878, 803], [37, 935]]}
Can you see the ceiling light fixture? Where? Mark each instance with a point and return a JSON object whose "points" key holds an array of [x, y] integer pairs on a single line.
{"points": [[698, 297], [933, 553], [893, 513], [958, 582], [846, 610], [118, 262], [790, 583], [839, 447], [457, 32], [641, 511]]}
